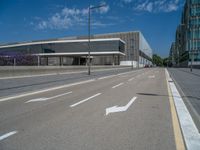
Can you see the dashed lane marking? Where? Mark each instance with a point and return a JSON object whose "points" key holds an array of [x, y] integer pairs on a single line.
{"points": [[7, 135], [117, 85], [80, 102]]}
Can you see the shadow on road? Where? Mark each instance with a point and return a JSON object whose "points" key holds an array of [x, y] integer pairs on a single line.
{"points": [[152, 94]]}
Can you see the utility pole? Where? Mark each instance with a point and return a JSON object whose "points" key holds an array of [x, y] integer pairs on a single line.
{"points": [[191, 50], [89, 36], [88, 61]]}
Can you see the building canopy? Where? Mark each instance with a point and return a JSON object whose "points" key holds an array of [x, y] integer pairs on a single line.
{"points": [[78, 47]]}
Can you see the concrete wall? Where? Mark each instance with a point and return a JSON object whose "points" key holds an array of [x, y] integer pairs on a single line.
{"points": [[132, 43], [10, 71], [136, 47], [129, 63]]}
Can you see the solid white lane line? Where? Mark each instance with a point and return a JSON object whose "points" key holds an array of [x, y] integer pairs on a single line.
{"points": [[106, 77], [47, 98], [80, 102], [7, 135], [189, 129], [37, 100], [45, 90], [117, 85], [131, 79], [27, 76], [54, 88], [119, 74], [151, 77], [60, 95], [124, 73], [124, 76]]}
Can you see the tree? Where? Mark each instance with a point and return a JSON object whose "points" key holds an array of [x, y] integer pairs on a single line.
{"points": [[157, 60], [166, 62]]}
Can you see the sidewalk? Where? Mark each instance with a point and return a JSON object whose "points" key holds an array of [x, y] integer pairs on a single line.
{"points": [[189, 86]]}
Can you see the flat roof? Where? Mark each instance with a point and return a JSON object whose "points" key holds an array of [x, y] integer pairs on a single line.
{"points": [[114, 33], [59, 41], [81, 53]]}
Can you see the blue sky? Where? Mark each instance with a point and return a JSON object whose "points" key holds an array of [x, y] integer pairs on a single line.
{"points": [[26, 20]]}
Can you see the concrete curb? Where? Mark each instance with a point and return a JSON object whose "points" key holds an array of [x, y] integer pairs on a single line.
{"points": [[189, 130]]}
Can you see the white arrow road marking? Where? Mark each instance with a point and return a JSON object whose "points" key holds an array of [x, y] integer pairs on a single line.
{"points": [[7, 135], [47, 98], [85, 100], [151, 77], [120, 109], [117, 85]]}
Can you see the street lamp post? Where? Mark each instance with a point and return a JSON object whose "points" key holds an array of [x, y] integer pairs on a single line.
{"points": [[191, 51], [132, 55], [178, 55], [89, 49], [191, 57]]}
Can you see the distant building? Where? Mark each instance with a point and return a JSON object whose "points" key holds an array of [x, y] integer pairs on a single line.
{"points": [[187, 40], [123, 48], [173, 55], [181, 46], [193, 31]]}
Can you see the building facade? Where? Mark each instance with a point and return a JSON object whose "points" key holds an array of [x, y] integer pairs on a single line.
{"points": [[123, 48], [60, 51], [187, 40], [173, 55], [193, 31], [137, 50]]}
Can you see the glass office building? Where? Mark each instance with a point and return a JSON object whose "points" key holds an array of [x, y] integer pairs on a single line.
{"points": [[173, 55], [193, 30], [187, 41]]}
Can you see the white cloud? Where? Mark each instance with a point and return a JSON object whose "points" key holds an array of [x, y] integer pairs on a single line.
{"points": [[68, 17], [42, 25], [104, 9], [149, 7], [100, 24], [157, 5]]}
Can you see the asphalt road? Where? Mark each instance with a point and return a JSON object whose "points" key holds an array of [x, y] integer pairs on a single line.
{"points": [[189, 86], [82, 116], [13, 86]]}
